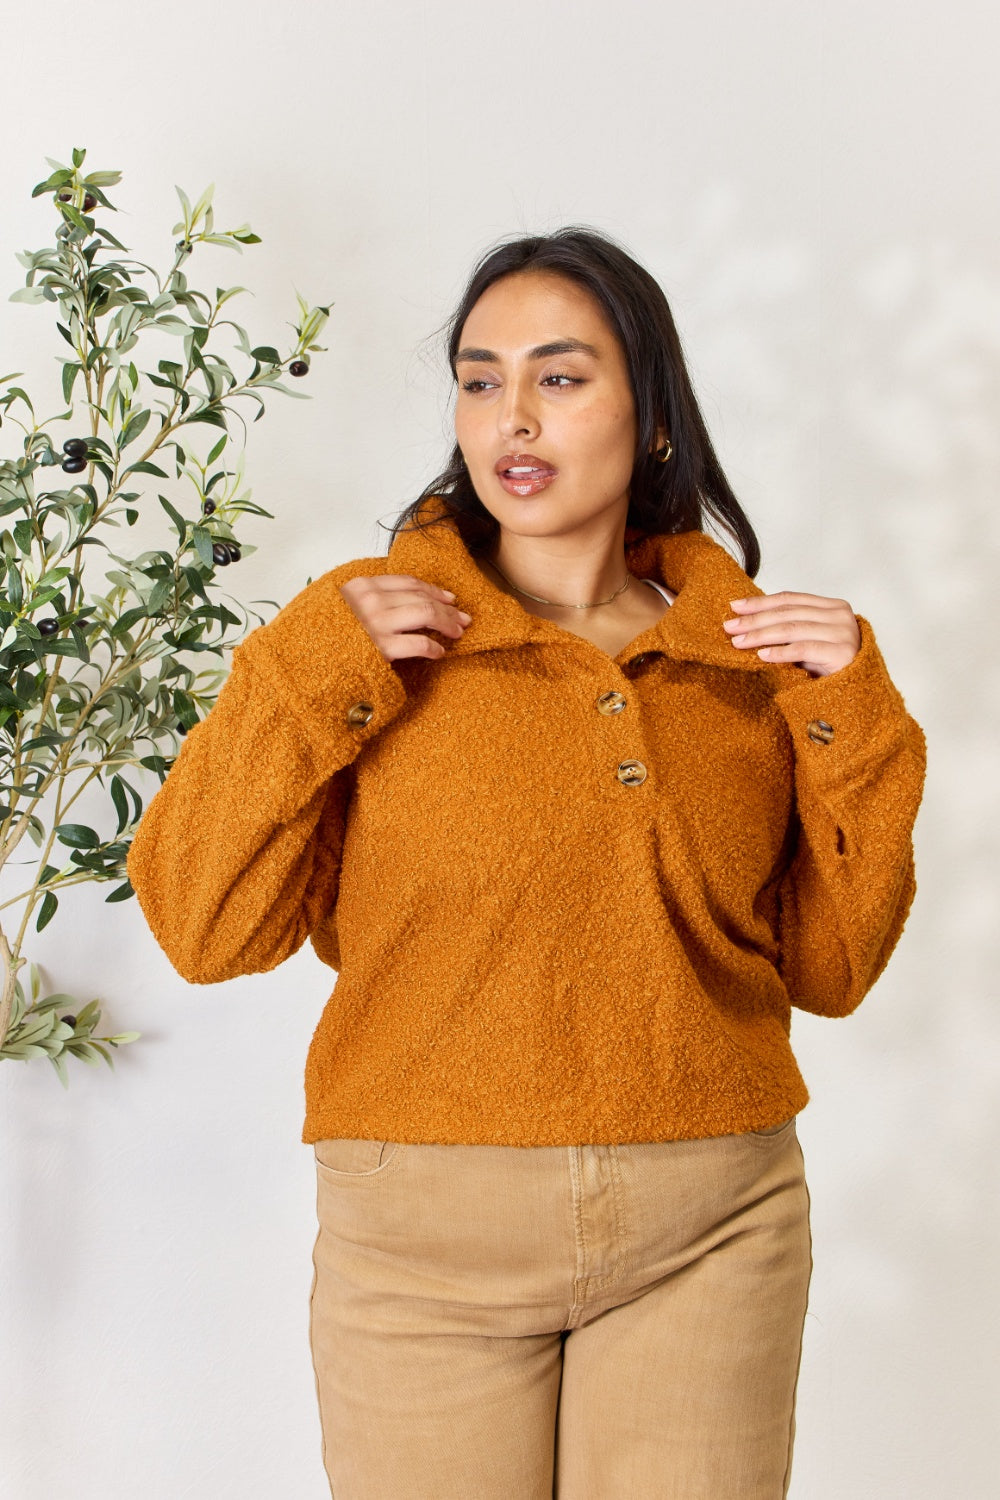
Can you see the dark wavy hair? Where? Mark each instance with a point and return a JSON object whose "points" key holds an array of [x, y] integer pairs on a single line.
{"points": [[679, 495]]}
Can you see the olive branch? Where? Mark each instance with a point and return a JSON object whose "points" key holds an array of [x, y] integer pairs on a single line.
{"points": [[87, 677]]}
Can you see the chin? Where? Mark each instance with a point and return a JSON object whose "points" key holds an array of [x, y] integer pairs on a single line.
{"points": [[543, 514]]}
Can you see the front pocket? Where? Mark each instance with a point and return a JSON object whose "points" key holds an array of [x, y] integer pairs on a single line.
{"points": [[351, 1158]]}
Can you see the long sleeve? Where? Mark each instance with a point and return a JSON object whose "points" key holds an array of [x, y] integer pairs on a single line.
{"points": [[236, 859], [848, 889]]}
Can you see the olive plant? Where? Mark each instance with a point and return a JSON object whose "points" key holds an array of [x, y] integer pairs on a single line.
{"points": [[91, 676]]}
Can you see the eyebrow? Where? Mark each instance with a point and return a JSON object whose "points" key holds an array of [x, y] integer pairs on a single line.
{"points": [[540, 351]]}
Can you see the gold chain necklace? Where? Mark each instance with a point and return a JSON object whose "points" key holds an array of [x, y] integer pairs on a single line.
{"points": [[553, 602]]}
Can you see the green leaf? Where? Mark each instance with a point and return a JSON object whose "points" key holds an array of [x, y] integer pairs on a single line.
{"points": [[78, 156], [106, 234], [59, 1063], [14, 587], [217, 450], [121, 893], [156, 763], [135, 424], [71, 369], [76, 836], [223, 296], [159, 596], [210, 414], [121, 803], [59, 178], [174, 515], [203, 543], [48, 911], [84, 1050], [145, 467], [266, 354]]}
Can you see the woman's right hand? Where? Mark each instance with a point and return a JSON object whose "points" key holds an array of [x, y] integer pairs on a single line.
{"points": [[395, 607]]}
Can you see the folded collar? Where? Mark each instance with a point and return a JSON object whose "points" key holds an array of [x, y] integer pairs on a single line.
{"points": [[696, 568]]}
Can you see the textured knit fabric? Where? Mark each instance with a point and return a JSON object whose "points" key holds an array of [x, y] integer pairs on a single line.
{"points": [[535, 944]]}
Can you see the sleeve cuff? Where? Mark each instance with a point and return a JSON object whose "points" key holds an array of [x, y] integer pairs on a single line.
{"points": [[324, 664], [848, 718]]}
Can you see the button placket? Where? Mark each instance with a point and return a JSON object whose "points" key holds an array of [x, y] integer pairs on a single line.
{"points": [[630, 772]]}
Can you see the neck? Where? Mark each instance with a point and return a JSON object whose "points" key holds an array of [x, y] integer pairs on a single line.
{"points": [[545, 572]]}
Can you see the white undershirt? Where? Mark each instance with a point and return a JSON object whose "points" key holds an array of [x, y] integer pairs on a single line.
{"points": [[658, 587]]}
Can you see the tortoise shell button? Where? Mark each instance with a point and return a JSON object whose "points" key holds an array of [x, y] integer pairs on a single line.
{"points": [[359, 713], [611, 702], [640, 660], [819, 731], [631, 772]]}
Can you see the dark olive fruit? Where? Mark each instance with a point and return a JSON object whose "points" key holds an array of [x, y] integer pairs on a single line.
{"points": [[299, 367], [65, 197], [234, 552], [181, 728], [84, 624], [74, 465], [48, 627], [208, 507], [89, 202], [220, 554], [70, 1020], [75, 447], [183, 245]]}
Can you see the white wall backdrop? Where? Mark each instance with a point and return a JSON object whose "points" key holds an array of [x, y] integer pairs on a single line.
{"points": [[815, 187]]}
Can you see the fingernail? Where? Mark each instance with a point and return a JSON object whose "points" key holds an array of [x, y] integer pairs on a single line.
{"points": [[734, 603], [463, 616], [448, 593], [739, 639]]}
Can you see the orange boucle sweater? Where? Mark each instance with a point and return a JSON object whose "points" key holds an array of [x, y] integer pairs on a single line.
{"points": [[569, 898]]}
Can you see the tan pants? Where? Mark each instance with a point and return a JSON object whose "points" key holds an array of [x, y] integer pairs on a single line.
{"points": [[585, 1322]]}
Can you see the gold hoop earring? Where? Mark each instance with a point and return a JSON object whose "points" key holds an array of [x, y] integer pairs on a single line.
{"points": [[662, 454]]}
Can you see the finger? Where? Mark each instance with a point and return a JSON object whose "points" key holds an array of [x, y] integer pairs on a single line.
{"points": [[821, 656], [390, 582], [783, 600], [414, 645], [793, 613], [421, 612], [791, 631]]}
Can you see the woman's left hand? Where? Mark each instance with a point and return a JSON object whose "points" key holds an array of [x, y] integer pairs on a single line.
{"points": [[820, 634]]}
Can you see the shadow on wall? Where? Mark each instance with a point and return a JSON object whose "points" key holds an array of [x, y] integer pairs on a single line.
{"points": [[856, 408]]}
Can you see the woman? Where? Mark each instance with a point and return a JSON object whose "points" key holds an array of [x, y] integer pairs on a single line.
{"points": [[578, 814]]}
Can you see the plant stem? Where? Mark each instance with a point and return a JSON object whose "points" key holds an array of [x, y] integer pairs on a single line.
{"points": [[10, 968]]}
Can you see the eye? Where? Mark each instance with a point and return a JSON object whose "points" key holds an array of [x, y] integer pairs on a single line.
{"points": [[572, 379], [474, 385]]}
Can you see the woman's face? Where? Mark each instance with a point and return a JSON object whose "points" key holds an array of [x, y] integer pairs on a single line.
{"points": [[543, 387]]}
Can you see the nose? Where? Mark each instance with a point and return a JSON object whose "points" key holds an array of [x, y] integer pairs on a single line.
{"points": [[516, 415]]}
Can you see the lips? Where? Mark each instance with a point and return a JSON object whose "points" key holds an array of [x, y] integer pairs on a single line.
{"points": [[522, 467]]}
